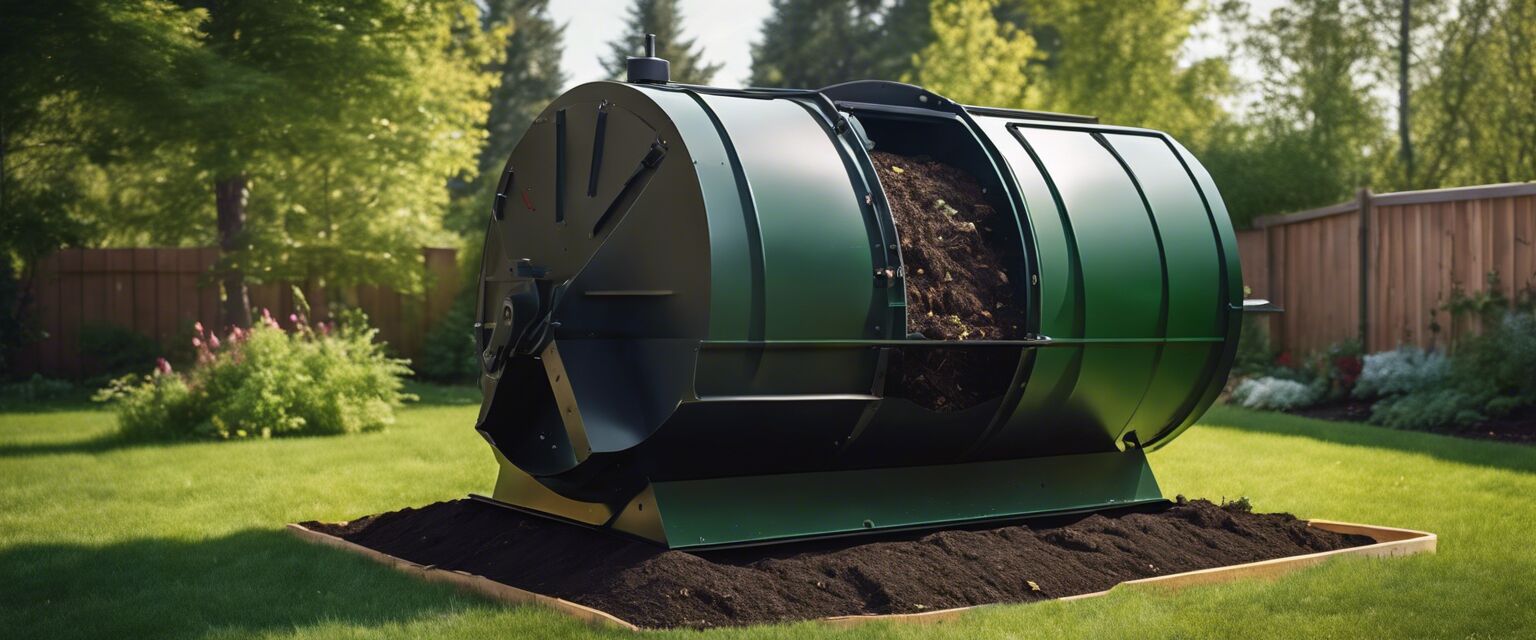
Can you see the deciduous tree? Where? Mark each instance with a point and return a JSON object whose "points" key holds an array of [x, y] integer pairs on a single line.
{"points": [[975, 59]]}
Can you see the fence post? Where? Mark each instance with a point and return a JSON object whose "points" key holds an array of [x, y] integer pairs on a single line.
{"points": [[1363, 199]]}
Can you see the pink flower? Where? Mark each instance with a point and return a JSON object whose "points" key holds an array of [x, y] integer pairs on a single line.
{"points": [[294, 318], [266, 314], [213, 341], [197, 342], [198, 327], [162, 366]]}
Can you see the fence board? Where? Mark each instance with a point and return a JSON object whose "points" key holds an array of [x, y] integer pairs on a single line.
{"points": [[160, 292], [1421, 247]]}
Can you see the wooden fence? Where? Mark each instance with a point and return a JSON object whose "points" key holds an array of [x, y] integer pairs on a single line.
{"points": [[1417, 248], [161, 292]]}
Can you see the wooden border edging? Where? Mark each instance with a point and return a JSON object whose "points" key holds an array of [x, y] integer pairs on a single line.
{"points": [[465, 581], [1390, 542]]}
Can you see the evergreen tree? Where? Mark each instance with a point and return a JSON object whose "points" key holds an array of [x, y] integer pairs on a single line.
{"points": [[662, 18], [814, 43], [531, 75], [906, 26], [973, 58]]}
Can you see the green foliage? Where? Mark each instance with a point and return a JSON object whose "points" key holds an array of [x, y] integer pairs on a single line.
{"points": [[1490, 377], [33, 390], [267, 382], [345, 117], [448, 353], [1275, 394], [812, 44], [1480, 310], [662, 18], [1336, 369], [77, 77], [1255, 355], [16, 328], [114, 351], [1123, 62], [1431, 410], [530, 77], [1404, 370], [974, 59], [157, 407], [1501, 363], [1314, 124], [1476, 119]]}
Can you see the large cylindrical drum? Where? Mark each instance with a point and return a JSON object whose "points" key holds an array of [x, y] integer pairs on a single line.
{"points": [[688, 290]]}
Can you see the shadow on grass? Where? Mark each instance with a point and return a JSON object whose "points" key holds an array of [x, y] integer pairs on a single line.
{"points": [[99, 444], [1473, 452], [429, 396], [250, 581]]}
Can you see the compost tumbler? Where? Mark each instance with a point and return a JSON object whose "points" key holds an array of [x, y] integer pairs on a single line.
{"points": [[692, 314]]}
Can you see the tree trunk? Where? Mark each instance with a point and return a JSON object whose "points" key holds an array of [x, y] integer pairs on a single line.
{"points": [[229, 199]]}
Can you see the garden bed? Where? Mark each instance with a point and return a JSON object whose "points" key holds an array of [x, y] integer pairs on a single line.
{"points": [[1519, 428], [606, 577]]}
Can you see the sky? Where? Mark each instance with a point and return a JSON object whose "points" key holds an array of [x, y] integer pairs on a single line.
{"points": [[725, 29]]}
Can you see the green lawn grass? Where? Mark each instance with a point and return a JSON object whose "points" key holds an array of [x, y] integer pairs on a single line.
{"points": [[100, 538]]}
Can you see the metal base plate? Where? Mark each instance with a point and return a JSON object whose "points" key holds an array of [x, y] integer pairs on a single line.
{"points": [[765, 509]]}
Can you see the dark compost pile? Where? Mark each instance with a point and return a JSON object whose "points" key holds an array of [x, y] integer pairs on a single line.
{"points": [[653, 587], [958, 253]]}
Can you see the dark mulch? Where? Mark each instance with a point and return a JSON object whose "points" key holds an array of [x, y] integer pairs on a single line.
{"points": [[1349, 410], [653, 587], [956, 252], [1518, 428]]}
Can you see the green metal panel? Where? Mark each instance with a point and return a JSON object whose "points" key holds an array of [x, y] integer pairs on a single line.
{"points": [[756, 509], [1122, 279], [734, 296], [1231, 285], [818, 269], [1046, 416], [1195, 297]]}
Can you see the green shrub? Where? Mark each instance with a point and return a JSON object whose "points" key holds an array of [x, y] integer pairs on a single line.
{"points": [[1272, 393], [449, 354], [1428, 410], [1402, 370], [116, 351], [1489, 376], [308, 380], [161, 406], [34, 389], [1501, 363], [1255, 356]]}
